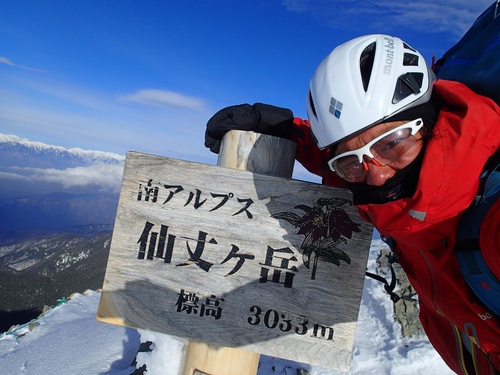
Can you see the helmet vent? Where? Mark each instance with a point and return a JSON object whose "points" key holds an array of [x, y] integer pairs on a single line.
{"points": [[406, 46], [409, 59], [407, 84], [311, 102], [366, 64]]}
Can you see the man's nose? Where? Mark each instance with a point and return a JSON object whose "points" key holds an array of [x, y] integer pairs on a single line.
{"points": [[376, 173]]}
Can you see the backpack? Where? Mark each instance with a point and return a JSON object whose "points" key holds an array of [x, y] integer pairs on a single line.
{"points": [[475, 62], [475, 59], [478, 276]]}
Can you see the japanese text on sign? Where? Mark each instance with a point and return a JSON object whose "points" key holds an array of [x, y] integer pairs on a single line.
{"points": [[156, 192]]}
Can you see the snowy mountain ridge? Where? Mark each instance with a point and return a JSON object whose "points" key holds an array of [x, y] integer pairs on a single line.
{"points": [[24, 146], [29, 168]]}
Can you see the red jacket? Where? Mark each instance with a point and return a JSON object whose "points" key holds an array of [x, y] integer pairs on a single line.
{"points": [[466, 134]]}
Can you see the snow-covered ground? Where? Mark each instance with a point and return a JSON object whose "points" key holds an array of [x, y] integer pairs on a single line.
{"points": [[68, 340]]}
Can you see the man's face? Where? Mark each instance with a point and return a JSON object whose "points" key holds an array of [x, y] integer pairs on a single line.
{"points": [[398, 146]]}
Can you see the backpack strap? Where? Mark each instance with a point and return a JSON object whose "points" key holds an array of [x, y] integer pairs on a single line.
{"points": [[472, 264]]}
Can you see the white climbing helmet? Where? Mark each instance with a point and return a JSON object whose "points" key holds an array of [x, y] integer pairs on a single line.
{"points": [[363, 82]]}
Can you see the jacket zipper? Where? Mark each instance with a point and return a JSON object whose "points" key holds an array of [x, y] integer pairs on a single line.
{"points": [[434, 283], [460, 345]]}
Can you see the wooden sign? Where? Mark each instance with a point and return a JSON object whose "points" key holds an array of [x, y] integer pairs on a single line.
{"points": [[237, 259]]}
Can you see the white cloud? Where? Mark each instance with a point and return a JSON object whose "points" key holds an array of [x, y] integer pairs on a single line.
{"points": [[452, 16], [116, 130], [71, 115], [4, 60], [106, 177], [164, 98], [12, 177], [455, 16]]}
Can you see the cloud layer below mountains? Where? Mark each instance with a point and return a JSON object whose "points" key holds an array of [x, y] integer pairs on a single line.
{"points": [[103, 177]]}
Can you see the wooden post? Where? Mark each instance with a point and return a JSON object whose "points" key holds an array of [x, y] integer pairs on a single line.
{"points": [[257, 153]]}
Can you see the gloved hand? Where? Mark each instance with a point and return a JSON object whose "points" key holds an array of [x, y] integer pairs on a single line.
{"points": [[260, 118]]}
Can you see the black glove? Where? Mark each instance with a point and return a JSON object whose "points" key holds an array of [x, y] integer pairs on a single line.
{"points": [[260, 118]]}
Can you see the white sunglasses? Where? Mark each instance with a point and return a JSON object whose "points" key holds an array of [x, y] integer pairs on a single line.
{"points": [[383, 150]]}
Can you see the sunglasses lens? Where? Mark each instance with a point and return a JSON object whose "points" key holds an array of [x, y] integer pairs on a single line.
{"points": [[349, 168], [390, 148]]}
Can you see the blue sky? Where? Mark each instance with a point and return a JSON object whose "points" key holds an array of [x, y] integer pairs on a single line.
{"points": [[147, 75]]}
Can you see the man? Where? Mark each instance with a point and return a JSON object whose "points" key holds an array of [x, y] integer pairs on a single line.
{"points": [[411, 149]]}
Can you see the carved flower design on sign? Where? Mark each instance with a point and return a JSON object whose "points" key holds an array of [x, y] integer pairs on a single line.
{"points": [[325, 225]]}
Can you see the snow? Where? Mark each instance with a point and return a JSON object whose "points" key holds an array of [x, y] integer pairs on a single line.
{"points": [[67, 259], [67, 339]]}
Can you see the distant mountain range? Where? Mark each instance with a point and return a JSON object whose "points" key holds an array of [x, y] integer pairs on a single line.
{"points": [[50, 188], [20, 152], [30, 168], [57, 210]]}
